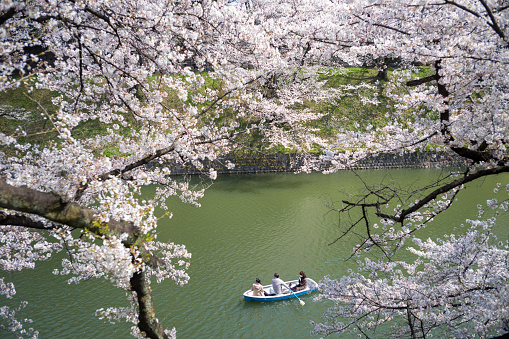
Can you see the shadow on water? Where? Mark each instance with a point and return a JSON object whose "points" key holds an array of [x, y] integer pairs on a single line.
{"points": [[257, 183]]}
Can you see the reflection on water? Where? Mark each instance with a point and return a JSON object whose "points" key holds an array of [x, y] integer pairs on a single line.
{"points": [[249, 226]]}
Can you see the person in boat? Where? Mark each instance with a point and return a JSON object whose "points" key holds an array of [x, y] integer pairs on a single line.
{"points": [[257, 289], [302, 284], [277, 284]]}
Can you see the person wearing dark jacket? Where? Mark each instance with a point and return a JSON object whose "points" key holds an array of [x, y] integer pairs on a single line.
{"points": [[302, 284]]}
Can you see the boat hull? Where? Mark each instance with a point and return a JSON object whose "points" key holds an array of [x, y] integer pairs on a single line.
{"points": [[312, 286]]}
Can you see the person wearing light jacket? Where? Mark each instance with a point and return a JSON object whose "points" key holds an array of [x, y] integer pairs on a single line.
{"points": [[277, 283], [257, 289]]}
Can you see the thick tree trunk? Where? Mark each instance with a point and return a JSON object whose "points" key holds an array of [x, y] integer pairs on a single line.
{"points": [[147, 321]]}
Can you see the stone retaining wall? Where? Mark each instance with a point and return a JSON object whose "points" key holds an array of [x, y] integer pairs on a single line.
{"points": [[291, 162]]}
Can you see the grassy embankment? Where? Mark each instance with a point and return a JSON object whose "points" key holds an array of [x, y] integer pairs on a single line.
{"points": [[29, 116]]}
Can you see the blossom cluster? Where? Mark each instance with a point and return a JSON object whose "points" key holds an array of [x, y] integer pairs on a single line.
{"points": [[182, 81], [462, 280]]}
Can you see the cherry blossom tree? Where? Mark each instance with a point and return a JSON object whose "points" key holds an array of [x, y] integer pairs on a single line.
{"points": [[459, 107], [134, 70]]}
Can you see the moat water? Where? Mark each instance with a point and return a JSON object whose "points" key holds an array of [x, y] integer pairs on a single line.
{"points": [[249, 226]]}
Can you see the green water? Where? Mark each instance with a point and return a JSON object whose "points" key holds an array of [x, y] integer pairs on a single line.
{"points": [[249, 226]]}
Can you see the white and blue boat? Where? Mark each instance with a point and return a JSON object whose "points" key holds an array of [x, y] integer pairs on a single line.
{"points": [[312, 286]]}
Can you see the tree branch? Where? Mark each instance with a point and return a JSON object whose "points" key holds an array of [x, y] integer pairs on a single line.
{"points": [[476, 156], [421, 81], [443, 189], [22, 220], [466, 9], [382, 25], [147, 318], [7, 14], [494, 23], [54, 208]]}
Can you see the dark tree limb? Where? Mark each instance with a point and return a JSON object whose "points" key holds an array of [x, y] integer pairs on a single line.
{"points": [[417, 82], [385, 195], [500, 9], [382, 25], [51, 207], [23, 221], [475, 155], [147, 318], [143, 161], [466, 9], [7, 14], [54, 208], [443, 189], [494, 23], [478, 155], [442, 90]]}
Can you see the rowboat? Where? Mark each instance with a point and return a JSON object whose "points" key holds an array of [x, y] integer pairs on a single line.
{"points": [[312, 286]]}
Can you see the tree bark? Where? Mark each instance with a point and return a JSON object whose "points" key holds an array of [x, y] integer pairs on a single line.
{"points": [[147, 321], [24, 221], [52, 207]]}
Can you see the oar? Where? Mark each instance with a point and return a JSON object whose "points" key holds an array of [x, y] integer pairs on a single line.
{"points": [[302, 303]]}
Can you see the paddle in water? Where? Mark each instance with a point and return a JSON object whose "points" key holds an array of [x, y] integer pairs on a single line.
{"points": [[302, 303]]}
